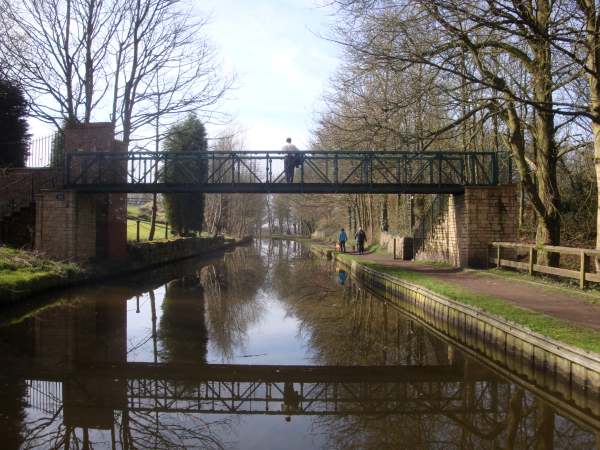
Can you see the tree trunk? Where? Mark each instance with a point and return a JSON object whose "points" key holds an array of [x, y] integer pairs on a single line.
{"points": [[153, 217]]}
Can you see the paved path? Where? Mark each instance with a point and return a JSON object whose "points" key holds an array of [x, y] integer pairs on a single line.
{"points": [[574, 307]]}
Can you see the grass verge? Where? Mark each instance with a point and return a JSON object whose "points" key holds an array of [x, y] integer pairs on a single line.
{"points": [[23, 272], [561, 330], [159, 232]]}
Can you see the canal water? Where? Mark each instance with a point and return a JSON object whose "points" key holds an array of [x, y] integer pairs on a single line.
{"points": [[265, 347]]}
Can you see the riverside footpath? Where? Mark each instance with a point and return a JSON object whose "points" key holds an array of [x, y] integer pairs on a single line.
{"points": [[570, 304], [557, 311]]}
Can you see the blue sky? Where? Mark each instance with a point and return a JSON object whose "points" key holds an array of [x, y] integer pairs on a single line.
{"points": [[283, 66]]}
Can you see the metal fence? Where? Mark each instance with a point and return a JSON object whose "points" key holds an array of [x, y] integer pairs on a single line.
{"points": [[47, 151]]}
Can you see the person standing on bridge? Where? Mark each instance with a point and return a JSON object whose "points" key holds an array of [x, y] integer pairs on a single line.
{"points": [[290, 161], [361, 238], [342, 238]]}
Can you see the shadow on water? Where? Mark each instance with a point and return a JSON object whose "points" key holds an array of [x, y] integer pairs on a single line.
{"points": [[158, 362]]}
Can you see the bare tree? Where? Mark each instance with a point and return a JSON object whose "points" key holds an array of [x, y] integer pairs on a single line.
{"points": [[164, 67], [58, 50], [135, 60], [503, 52]]}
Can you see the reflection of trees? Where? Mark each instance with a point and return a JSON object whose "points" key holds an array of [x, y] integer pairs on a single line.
{"points": [[349, 326], [130, 430], [182, 330], [12, 414], [230, 290]]}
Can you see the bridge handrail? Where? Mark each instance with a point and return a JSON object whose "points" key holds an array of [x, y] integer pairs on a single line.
{"points": [[304, 152]]}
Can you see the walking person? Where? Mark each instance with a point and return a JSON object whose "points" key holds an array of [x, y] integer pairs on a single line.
{"points": [[290, 160], [361, 238], [342, 238]]}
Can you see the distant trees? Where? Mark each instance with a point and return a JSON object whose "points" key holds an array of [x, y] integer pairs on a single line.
{"points": [[13, 125], [185, 212], [235, 214], [463, 75]]}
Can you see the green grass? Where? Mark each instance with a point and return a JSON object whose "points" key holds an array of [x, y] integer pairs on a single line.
{"points": [[133, 210], [22, 271], [591, 294], [144, 230], [561, 330]]}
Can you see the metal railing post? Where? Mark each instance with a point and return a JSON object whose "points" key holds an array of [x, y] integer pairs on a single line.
{"points": [[335, 169], [495, 175], [68, 169]]}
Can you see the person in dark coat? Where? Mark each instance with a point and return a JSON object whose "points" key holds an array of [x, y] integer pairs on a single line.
{"points": [[342, 238], [361, 238], [290, 160]]}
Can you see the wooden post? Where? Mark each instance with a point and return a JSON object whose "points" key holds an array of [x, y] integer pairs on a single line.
{"points": [[394, 247], [498, 256], [532, 258], [583, 267], [166, 230], [137, 230]]}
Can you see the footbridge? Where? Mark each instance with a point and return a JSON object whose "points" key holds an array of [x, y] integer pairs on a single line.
{"points": [[262, 390], [83, 215], [321, 172]]}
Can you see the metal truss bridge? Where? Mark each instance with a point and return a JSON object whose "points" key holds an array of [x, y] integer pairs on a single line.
{"points": [[264, 390], [263, 171]]}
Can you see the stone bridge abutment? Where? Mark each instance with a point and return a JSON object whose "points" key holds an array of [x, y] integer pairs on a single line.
{"points": [[462, 233]]}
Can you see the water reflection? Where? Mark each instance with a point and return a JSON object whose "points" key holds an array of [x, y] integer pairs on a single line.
{"points": [[160, 362]]}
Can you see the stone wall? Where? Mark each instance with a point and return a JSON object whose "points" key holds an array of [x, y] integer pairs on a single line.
{"points": [[443, 243], [404, 245], [472, 221], [147, 254], [17, 202], [66, 225]]}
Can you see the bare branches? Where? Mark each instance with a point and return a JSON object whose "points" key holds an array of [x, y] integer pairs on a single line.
{"points": [[83, 60]]}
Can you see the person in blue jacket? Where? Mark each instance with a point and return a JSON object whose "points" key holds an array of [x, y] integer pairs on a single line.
{"points": [[342, 238]]}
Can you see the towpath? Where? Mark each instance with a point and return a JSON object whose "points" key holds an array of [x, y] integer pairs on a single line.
{"points": [[563, 303]]}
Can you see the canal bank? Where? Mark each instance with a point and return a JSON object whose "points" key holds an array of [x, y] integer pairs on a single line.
{"points": [[260, 348], [23, 274], [549, 364]]}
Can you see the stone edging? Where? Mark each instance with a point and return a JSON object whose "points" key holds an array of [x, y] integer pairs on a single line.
{"points": [[568, 371], [144, 257]]}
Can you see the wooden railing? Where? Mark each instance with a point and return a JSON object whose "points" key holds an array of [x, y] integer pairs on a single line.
{"points": [[584, 255]]}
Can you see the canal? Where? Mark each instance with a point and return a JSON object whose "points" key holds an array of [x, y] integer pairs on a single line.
{"points": [[265, 347]]}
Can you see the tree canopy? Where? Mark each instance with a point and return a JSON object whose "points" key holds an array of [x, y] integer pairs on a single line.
{"points": [[185, 212], [13, 125]]}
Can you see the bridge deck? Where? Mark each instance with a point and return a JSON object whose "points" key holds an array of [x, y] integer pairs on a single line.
{"points": [[264, 172]]}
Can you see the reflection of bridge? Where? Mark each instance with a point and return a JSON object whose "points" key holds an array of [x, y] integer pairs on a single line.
{"points": [[270, 390], [261, 171]]}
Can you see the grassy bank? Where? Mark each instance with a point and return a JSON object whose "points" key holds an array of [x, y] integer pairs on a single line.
{"points": [[23, 274], [554, 328], [26, 272], [159, 232]]}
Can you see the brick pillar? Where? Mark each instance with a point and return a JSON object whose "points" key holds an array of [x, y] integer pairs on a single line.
{"points": [[484, 215], [65, 225], [105, 214], [111, 221]]}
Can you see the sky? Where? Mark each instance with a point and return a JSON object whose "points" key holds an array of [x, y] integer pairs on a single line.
{"points": [[282, 64]]}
